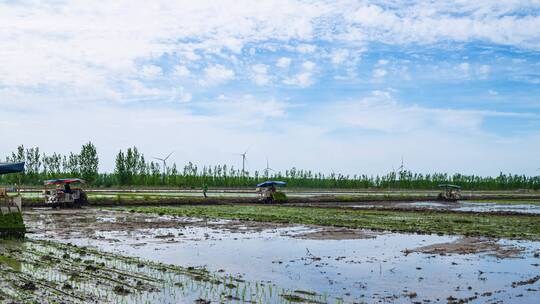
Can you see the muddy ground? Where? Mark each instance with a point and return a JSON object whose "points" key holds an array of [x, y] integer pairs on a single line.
{"points": [[495, 208], [470, 245], [89, 222], [104, 256], [374, 200]]}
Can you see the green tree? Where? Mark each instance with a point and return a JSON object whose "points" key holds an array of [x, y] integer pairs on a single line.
{"points": [[120, 168], [88, 162]]}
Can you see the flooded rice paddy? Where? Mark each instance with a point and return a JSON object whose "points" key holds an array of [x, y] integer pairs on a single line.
{"points": [[160, 259], [460, 206]]}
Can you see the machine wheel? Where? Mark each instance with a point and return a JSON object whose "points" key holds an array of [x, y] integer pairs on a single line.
{"points": [[83, 200]]}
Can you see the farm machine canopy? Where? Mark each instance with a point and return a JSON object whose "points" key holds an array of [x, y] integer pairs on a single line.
{"points": [[6, 168], [61, 181]]}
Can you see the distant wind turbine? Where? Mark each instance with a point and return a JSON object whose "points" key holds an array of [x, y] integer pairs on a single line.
{"points": [[267, 169], [244, 156], [401, 167], [164, 160]]}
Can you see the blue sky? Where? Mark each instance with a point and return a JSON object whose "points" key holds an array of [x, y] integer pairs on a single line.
{"points": [[343, 86]]}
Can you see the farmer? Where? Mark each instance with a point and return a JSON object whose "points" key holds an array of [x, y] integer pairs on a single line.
{"points": [[67, 188], [205, 190]]}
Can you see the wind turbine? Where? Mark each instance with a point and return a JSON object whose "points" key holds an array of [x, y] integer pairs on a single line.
{"points": [[401, 167], [244, 160], [164, 160], [267, 169]]}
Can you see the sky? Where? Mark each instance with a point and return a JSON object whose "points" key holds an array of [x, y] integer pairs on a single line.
{"points": [[329, 86]]}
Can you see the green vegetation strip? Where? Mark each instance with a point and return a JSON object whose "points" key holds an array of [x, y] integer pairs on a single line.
{"points": [[503, 226]]}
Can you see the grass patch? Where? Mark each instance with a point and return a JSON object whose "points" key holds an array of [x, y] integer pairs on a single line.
{"points": [[503, 226], [12, 225]]}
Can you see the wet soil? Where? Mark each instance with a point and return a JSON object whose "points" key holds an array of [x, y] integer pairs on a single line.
{"points": [[88, 223], [471, 245], [330, 199], [430, 205], [336, 233], [354, 265], [47, 272]]}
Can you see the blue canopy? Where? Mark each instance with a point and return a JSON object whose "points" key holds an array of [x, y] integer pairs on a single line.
{"points": [[60, 181], [449, 186], [6, 168], [271, 183]]}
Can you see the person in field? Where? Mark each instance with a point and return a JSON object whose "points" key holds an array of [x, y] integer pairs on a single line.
{"points": [[67, 188], [205, 190]]}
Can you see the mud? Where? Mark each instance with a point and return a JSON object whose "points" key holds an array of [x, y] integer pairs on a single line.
{"points": [[429, 205], [471, 245], [336, 233], [307, 263], [139, 258], [89, 223], [153, 197], [61, 273]]}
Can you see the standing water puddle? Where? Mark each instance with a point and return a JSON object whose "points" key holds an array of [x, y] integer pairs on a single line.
{"points": [[462, 206], [370, 267]]}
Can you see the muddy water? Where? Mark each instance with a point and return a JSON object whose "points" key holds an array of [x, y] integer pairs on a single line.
{"points": [[369, 267], [44, 272], [494, 207], [462, 206]]}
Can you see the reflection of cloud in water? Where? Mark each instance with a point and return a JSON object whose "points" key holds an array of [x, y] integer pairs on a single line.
{"points": [[374, 267]]}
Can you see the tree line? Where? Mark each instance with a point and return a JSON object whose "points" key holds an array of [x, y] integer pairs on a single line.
{"points": [[133, 169]]}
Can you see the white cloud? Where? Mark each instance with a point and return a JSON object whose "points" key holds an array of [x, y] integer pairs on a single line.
{"points": [[283, 62], [260, 75], [87, 48], [361, 135], [216, 75], [136, 91], [483, 71], [181, 71], [151, 71], [379, 73], [339, 56], [245, 110], [304, 78], [84, 57], [306, 48], [449, 20], [380, 111], [183, 96], [463, 70], [138, 88], [308, 65]]}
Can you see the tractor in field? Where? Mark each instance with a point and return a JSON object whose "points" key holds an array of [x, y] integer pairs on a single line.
{"points": [[268, 193], [64, 196], [450, 193]]}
